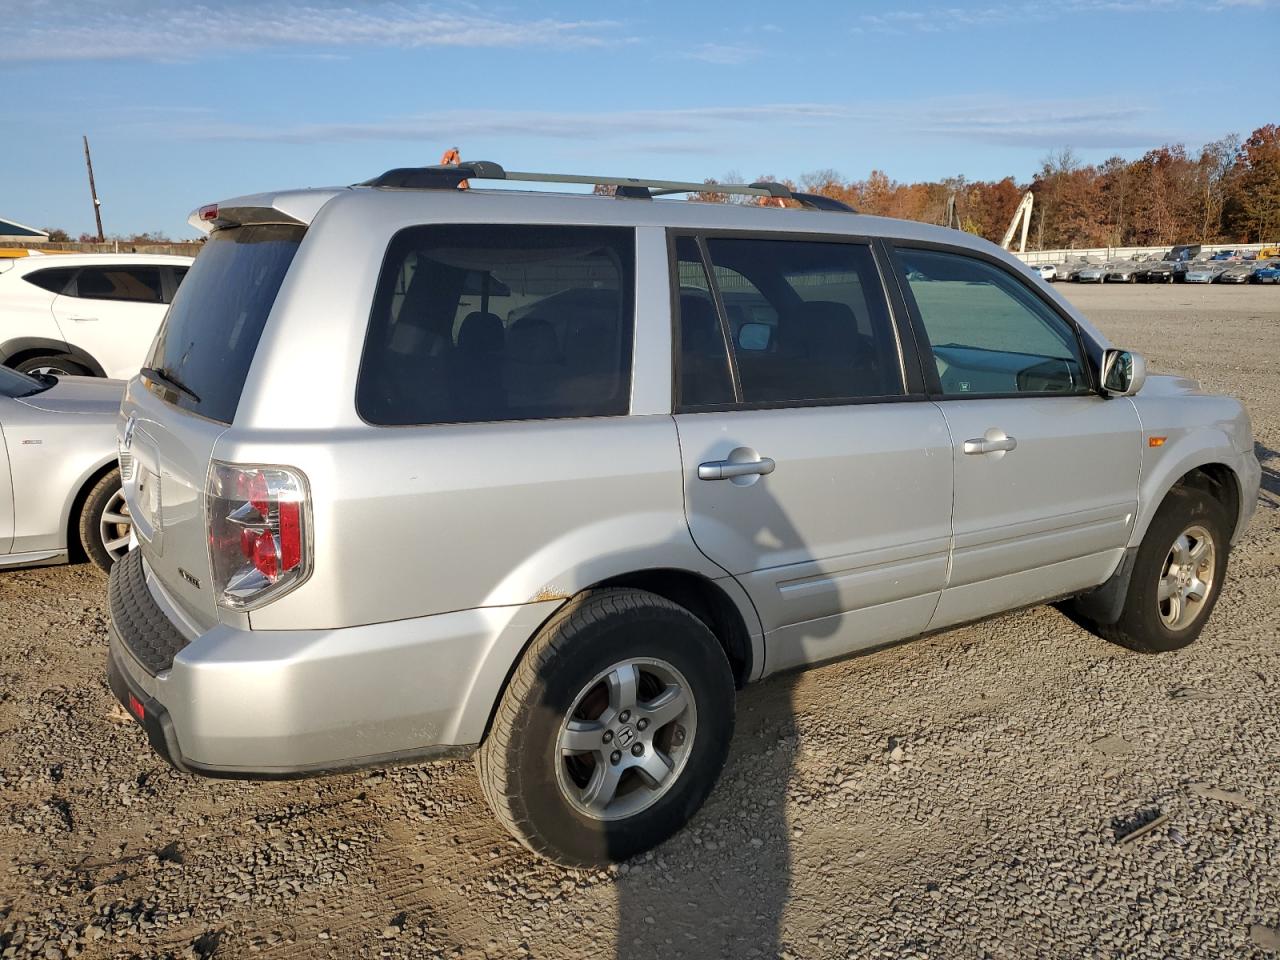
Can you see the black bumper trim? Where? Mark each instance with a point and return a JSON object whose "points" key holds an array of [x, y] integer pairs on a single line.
{"points": [[143, 627]]}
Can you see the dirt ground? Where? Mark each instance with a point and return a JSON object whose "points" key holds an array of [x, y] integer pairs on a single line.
{"points": [[962, 796]]}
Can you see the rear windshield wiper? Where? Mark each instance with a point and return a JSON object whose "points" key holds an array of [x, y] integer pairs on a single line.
{"points": [[169, 380]]}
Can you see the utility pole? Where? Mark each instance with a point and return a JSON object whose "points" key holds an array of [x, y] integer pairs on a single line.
{"points": [[93, 191]]}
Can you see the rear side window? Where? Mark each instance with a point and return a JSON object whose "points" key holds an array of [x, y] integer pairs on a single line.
{"points": [[54, 280], [130, 284], [808, 322], [989, 333], [212, 328], [499, 322]]}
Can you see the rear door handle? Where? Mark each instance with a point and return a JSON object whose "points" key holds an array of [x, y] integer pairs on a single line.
{"points": [[983, 445], [84, 319], [728, 469]]}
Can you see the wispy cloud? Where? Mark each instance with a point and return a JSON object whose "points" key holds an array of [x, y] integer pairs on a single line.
{"points": [[1101, 123], [723, 54], [938, 19], [61, 30]]}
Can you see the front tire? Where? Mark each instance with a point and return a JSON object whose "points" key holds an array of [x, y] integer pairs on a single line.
{"points": [[104, 522], [612, 731], [1177, 574]]}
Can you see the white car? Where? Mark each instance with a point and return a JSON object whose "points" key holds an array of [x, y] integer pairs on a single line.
{"points": [[1045, 271], [84, 314], [60, 493]]}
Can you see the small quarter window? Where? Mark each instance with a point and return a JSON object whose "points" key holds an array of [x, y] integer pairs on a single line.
{"points": [[500, 322], [55, 280]]}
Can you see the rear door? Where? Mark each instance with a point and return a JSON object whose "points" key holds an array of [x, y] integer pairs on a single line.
{"points": [[206, 344], [6, 484], [814, 470], [112, 313], [1046, 469]]}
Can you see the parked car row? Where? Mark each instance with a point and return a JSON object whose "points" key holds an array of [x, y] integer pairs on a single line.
{"points": [[1181, 264]]}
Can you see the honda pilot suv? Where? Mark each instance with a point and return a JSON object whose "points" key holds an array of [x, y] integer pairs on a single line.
{"points": [[420, 470]]}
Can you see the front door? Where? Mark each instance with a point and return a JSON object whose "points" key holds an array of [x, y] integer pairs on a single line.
{"points": [[809, 473], [112, 313], [1046, 469]]}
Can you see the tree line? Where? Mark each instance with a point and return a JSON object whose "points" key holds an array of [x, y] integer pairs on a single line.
{"points": [[1228, 191]]}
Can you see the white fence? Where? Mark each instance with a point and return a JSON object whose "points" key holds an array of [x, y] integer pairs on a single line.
{"points": [[1123, 253]]}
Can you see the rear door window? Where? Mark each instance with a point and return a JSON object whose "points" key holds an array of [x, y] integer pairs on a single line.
{"points": [[211, 331], [500, 322], [130, 284], [807, 320]]}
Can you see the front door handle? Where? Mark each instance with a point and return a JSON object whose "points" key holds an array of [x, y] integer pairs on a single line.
{"points": [[728, 469], [990, 445]]}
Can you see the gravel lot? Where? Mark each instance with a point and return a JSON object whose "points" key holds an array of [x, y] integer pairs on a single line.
{"points": [[972, 794]]}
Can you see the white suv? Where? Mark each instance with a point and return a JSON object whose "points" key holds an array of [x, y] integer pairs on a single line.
{"points": [[92, 314], [420, 470]]}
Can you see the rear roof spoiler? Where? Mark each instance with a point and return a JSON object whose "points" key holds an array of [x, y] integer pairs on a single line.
{"points": [[294, 207]]}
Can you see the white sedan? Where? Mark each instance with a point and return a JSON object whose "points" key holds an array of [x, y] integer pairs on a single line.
{"points": [[60, 490], [84, 314]]}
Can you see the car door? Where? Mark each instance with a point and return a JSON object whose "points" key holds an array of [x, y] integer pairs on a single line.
{"points": [[112, 312], [814, 472], [6, 484], [1046, 468]]}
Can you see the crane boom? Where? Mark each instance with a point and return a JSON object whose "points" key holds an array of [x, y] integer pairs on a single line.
{"points": [[1023, 213]]}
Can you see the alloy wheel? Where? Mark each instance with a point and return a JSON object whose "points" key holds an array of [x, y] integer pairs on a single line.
{"points": [[1186, 578], [115, 525], [626, 739]]}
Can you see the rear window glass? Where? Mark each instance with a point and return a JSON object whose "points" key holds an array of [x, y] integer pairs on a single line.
{"points": [[55, 281], [499, 322], [212, 328]]}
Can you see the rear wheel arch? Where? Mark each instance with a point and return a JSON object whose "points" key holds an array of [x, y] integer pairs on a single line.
{"points": [[14, 352], [702, 597]]}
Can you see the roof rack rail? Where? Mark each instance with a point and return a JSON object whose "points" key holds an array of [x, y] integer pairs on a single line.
{"points": [[449, 177]]}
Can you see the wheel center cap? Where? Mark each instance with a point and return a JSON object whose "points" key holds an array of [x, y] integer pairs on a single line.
{"points": [[626, 736]]}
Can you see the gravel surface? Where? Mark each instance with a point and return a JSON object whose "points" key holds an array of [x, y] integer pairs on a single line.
{"points": [[1011, 789]]}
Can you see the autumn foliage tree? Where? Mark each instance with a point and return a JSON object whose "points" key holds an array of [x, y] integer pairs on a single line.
{"points": [[1229, 191]]}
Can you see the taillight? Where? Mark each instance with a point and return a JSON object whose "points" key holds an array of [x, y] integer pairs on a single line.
{"points": [[209, 211], [258, 530]]}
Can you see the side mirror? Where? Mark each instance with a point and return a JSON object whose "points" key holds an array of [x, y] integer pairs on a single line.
{"points": [[1123, 372]]}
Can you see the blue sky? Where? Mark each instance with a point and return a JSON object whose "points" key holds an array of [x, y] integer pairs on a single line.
{"points": [[185, 104]]}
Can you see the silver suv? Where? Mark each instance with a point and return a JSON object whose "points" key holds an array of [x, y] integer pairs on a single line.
{"points": [[421, 470]]}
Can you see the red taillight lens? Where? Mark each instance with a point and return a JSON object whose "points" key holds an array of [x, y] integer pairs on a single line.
{"points": [[209, 211], [257, 519]]}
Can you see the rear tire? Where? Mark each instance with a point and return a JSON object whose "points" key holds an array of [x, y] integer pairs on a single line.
{"points": [[58, 366], [104, 525], [1177, 574], [588, 762]]}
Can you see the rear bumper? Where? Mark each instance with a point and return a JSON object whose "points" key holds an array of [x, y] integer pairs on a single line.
{"points": [[273, 704]]}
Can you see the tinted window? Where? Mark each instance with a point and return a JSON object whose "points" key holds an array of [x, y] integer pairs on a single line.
{"points": [[133, 284], [53, 280], [474, 323], [990, 334], [212, 328], [808, 320], [704, 361], [178, 274]]}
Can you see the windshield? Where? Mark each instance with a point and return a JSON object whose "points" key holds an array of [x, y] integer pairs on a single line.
{"points": [[15, 384], [212, 329]]}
